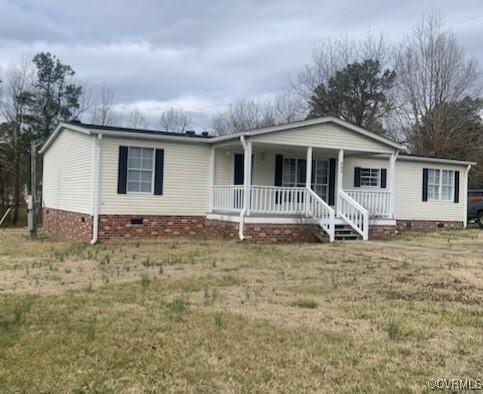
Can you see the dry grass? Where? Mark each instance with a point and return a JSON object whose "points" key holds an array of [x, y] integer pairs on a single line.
{"points": [[208, 316]]}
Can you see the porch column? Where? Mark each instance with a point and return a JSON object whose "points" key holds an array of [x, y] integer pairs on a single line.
{"points": [[392, 170], [340, 175], [308, 179], [247, 178], [211, 178]]}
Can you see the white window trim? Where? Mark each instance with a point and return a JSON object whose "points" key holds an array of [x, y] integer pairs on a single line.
{"points": [[378, 186], [440, 186], [152, 170]]}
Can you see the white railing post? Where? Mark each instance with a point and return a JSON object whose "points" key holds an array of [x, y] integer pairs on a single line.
{"points": [[247, 179], [392, 170], [340, 174], [308, 177]]}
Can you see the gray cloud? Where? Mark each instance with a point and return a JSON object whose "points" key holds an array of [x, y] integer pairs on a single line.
{"points": [[202, 55]]}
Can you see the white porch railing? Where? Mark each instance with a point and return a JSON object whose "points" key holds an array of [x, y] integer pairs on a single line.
{"points": [[278, 200], [377, 203], [353, 214], [228, 198], [322, 212]]}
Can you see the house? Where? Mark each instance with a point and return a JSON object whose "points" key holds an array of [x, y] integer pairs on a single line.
{"points": [[303, 180]]}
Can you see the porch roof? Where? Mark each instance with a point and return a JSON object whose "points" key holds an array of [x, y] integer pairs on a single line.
{"points": [[311, 122]]}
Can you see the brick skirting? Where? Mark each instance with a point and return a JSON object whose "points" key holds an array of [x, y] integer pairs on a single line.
{"points": [[427, 225], [77, 226], [66, 224], [264, 232], [144, 226]]}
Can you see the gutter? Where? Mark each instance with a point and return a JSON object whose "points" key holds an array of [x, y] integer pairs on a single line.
{"points": [[244, 210], [96, 187]]}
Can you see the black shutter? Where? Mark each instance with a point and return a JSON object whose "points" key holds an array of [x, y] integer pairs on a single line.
{"points": [[332, 164], [425, 184], [357, 177], [278, 175], [159, 172], [383, 178], [456, 186], [122, 170], [239, 169], [278, 170]]}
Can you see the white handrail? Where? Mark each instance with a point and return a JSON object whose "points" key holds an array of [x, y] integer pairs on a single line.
{"points": [[377, 202], [354, 214], [319, 210]]}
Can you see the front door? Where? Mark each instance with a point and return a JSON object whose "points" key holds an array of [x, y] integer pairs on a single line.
{"points": [[320, 178]]}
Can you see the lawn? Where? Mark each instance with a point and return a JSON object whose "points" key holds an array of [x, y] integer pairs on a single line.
{"points": [[213, 316]]}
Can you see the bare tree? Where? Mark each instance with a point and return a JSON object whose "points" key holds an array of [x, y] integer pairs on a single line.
{"points": [[288, 107], [103, 113], [243, 115], [252, 114], [332, 55], [175, 120], [434, 71], [136, 120], [15, 99]]}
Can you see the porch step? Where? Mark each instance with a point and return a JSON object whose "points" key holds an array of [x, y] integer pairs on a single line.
{"points": [[344, 232]]}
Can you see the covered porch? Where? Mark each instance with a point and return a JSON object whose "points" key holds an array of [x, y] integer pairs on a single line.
{"points": [[301, 182]]}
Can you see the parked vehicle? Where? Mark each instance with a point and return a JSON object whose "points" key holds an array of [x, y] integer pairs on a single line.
{"points": [[475, 206]]}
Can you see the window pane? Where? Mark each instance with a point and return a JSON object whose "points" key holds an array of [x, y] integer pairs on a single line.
{"points": [[146, 176], [147, 164], [134, 152], [433, 192], [133, 175], [132, 186], [146, 187], [447, 193], [134, 163]]}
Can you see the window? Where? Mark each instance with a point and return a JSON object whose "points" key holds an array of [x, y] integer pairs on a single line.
{"points": [[295, 172], [440, 185], [370, 177], [289, 178], [140, 170]]}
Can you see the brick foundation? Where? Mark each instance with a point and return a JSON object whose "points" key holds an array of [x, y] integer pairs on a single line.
{"points": [[144, 226], [264, 232], [66, 224], [382, 232], [77, 226], [427, 225]]}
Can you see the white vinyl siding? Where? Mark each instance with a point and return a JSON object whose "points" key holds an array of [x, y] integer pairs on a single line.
{"points": [[185, 181], [330, 136], [67, 173], [408, 187]]}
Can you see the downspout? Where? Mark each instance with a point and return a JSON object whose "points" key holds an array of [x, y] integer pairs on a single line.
{"points": [[244, 209], [465, 205], [96, 189]]}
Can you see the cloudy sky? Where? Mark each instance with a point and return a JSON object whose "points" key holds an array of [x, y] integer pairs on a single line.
{"points": [[202, 55]]}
